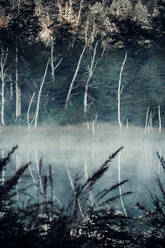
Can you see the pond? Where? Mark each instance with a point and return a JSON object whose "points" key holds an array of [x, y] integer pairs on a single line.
{"points": [[82, 149]]}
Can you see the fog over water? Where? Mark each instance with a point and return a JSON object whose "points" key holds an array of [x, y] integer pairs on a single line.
{"points": [[82, 150]]}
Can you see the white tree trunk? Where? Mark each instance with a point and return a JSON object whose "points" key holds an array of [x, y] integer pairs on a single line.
{"points": [[86, 98], [91, 71], [160, 122], [120, 91], [40, 185], [11, 91], [120, 88], [151, 115], [120, 189], [146, 122], [39, 95], [28, 111], [127, 124], [74, 78], [80, 11], [3, 75], [52, 57], [18, 100], [17, 88], [2, 102]]}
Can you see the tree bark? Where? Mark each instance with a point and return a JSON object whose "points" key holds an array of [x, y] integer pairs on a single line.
{"points": [[52, 57], [53, 67], [120, 91], [39, 95], [28, 111], [160, 122], [146, 122], [17, 88], [91, 71], [120, 189], [74, 78], [3, 75]]}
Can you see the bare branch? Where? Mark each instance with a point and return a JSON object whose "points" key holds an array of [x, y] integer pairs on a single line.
{"points": [[74, 77]]}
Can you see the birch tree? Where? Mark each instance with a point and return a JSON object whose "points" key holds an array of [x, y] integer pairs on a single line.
{"points": [[120, 186], [90, 74], [3, 77], [28, 111], [52, 60], [119, 92], [74, 77], [39, 94], [160, 121], [146, 121], [17, 88], [51, 39]]}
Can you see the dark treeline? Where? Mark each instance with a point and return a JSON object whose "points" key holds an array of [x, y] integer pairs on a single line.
{"points": [[86, 42], [142, 80]]}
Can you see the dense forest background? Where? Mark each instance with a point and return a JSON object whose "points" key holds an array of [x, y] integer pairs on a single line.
{"points": [[99, 63], [54, 43]]}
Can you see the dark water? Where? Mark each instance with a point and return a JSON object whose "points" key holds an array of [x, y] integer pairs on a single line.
{"points": [[75, 150]]}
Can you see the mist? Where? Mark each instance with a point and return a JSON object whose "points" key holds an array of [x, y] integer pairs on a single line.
{"points": [[82, 149]]}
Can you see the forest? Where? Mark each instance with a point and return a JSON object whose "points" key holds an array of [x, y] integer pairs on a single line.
{"points": [[82, 109], [71, 67]]}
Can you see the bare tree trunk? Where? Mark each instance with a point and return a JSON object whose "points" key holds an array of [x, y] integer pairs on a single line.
{"points": [[151, 115], [127, 124], [18, 101], [38, 165], [93, 125], [11, 91], [120, 189], [17, 87], [120, 91], [91, 71], [2, 103], [85, 169], [3, 74], [52, 57], [28, 161], [39, 95], [79, 12], [146, 156], [146, 122], [74, 78], [28, 111], [160, 122], [53, 67]]}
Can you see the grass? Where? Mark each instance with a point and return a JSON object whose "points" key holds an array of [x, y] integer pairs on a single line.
{"points": [[89, 219]]}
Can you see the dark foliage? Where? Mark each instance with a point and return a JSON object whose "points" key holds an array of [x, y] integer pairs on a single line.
{"points": [[154, 219], [46, 223], [89, 220]]}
